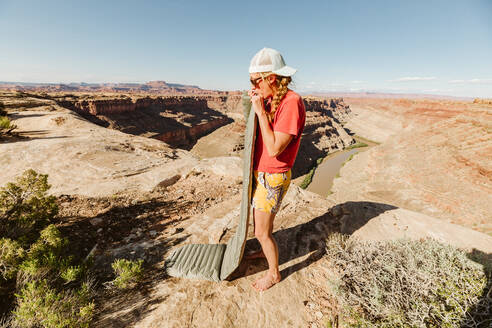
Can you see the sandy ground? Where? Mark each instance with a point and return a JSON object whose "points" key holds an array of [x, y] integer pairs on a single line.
{"points": [[128, 196]]}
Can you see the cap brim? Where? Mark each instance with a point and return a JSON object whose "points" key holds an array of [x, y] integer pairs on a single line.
{"points": [[285, 71]]}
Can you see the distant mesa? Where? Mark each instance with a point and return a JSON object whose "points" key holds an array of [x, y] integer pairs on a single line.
{"points": [[156, 87], [482, 101]]}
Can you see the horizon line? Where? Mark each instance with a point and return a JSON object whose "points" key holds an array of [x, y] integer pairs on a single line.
{"points": [[303, 91]]}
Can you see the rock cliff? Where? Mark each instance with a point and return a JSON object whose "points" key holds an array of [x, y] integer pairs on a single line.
{"points": [[434, 159], [324, 132], [176, 120]]}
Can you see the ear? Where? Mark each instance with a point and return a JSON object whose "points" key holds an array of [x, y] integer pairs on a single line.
{"points": [[272, 78]]}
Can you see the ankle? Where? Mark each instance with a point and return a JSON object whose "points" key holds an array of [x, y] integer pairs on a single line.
{"points": [[275, 274]]}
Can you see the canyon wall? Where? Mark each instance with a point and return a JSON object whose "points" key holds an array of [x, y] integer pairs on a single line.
{"points": [[176, 120], [225, 104], [185, 136], [323, 133], [181, 121], [127, 104], [434, 159]]}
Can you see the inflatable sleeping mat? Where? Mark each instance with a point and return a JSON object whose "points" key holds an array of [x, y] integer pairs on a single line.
{"points": [[217, 262]]}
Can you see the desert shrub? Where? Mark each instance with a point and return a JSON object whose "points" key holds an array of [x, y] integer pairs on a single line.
{"points": [[405, 283], [25, 207], [11, 255], [4, 122], [127, 272], [42, 306], [34, 264], [72, 273], [357, 145], [46, 254], [2, 111], [309, 177], [6, 125]]}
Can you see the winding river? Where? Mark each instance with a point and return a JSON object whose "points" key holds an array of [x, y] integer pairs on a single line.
{"points": [[327, 171]]}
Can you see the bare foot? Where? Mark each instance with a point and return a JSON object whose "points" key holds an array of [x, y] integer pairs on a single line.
{"points": [[254, 255], [266, 282]]}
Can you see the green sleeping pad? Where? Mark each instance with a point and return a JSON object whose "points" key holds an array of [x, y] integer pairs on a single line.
{"points": [[218, 261]]}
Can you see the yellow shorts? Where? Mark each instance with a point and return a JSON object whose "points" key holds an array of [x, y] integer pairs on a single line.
{"points": [[269, 190]]}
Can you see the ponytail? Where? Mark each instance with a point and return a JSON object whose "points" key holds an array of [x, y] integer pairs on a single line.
{"points": [[281, 82]]}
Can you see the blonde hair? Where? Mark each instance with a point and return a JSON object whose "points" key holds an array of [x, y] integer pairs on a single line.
{"points": [[281, 83]]}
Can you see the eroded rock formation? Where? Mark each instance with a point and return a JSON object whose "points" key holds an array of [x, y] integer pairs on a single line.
{"points": [[434, 159], [176, 120], [323, 133]]}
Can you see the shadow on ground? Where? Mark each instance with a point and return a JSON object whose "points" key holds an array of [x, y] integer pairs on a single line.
{"points": [[310, 237], [480, 315], [111, 228]]}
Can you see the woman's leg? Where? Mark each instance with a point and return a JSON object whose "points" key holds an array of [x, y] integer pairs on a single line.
{"points": [[263, 231], [259, 253]]}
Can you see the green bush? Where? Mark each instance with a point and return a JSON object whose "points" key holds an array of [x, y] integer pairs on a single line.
{"points": [[6, 126], [42, 306], [11, 255], [357, 145], [4, 122], [127, 272], [309, 177], [405, 283], [33, 261], [72, 273], [25, 207], [46, 254]]}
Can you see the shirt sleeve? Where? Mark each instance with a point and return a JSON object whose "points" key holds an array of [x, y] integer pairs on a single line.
{"points": [[288, 117]]}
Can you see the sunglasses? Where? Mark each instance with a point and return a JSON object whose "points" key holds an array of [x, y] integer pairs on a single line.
{"points": [[255, 82]]}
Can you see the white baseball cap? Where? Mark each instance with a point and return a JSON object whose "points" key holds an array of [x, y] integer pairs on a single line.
{"points": [[270, 60]]}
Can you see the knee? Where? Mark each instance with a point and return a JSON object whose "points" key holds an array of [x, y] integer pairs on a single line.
{"points": [[262, 234]]}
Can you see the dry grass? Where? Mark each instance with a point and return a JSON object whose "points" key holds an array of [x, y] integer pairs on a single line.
{"points": [[407, 283]]}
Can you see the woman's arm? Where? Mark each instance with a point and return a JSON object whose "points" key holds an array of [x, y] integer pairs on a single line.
{"points": [[275, 141]]}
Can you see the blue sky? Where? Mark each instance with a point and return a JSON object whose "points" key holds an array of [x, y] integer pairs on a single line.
{"points": [[438, 47]]}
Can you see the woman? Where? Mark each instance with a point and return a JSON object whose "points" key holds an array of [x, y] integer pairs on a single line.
{"points": [[281, 117]]}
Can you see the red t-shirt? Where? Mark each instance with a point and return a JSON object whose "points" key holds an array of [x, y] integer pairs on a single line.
{"points": [[290, 118]]}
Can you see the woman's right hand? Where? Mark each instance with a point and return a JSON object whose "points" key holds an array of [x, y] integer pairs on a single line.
{"points": [[257, 101]]}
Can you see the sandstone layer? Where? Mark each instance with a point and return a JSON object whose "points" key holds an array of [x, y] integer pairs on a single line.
{"points": [[176, 120], [84, 158], [434, 159]]}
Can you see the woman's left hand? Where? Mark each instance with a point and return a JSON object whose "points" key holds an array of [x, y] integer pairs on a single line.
{"points": [[257, 102]]}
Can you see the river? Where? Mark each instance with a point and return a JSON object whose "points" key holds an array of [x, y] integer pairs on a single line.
{"points": [[326, 172]]}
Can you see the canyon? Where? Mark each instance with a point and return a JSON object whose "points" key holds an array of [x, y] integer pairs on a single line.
{"points": [[192, 122], [124, 192], [434, 158]]}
